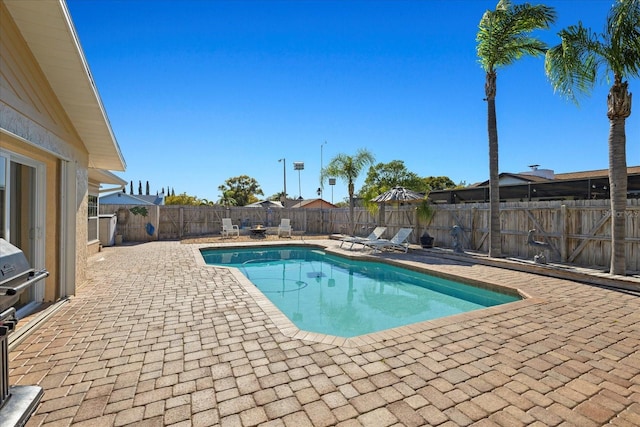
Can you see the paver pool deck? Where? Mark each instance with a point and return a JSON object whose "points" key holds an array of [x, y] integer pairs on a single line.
{"points": [[154, 338]]}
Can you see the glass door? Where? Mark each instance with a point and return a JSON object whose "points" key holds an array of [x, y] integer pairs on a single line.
{"points": [[21, 213]]}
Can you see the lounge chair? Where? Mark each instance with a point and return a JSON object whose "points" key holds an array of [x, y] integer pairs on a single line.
{"points": [[375, 235], [399, 241], [284, 227], [228, 228]]}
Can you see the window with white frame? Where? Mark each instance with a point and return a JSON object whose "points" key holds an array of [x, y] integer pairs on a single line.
{"points": [[92, 232]]}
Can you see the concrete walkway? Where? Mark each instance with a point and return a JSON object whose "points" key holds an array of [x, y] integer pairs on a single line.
{"points": [[154, 338]]}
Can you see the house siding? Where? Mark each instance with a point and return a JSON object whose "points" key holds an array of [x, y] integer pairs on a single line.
{"points": [[35, 125]]}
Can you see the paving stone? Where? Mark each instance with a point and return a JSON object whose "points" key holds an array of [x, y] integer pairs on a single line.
{"points": [[296, 419], [349, 423], [594, 411], [235, 405], [436, 398], [457, 417], [390, 394], [283, 391], [380, 417], [322, 384], [334, 399], [406, 414], [253, 417], [55, 404], [345, 412], [129, 416], [545, 416], [571, 416], [202, 400], [189, 345], [505, 419], [367, 402], [520, 415], [320, 414], [280, 408]]}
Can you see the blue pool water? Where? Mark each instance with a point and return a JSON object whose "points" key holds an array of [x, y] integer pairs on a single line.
{"points": [[328, 294]]}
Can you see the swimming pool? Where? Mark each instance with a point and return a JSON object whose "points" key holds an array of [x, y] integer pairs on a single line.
{"points": [[333, 295]]}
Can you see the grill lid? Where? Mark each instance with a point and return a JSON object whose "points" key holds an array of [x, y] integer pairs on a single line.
{"points": [[13, 263], [15, 274]]}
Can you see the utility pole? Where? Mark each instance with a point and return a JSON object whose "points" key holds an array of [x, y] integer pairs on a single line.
{"points": [[284, 172]]}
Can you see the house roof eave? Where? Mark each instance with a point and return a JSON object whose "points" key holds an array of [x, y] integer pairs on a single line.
{"points": [[48, 30]]}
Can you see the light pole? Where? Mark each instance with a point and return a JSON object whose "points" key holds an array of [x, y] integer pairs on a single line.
{"points": [[284, 172], [321, 186], [298, 166], [332, 182], [321, 218], [321, 167]]}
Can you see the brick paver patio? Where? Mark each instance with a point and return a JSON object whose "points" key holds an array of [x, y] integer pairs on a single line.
{"points": [[154, 338]]}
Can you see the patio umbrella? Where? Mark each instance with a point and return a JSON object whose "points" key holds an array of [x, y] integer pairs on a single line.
{"points": [[396, 195], [265, 204]]}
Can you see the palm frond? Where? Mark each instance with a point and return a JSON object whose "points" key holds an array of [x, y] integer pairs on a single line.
{"points": [[622, 36], [348, 167], [527, 18], [572, 65], [504, 34]]}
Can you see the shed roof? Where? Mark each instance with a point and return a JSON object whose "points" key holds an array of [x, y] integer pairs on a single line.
{"points": [[120, 198]]}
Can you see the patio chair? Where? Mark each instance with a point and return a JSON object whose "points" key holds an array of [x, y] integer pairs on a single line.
{"points": [[228, 228], [399, 241], [284, 227], [375, 235]]}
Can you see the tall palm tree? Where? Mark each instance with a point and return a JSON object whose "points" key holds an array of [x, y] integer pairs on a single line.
{"points": [[575, 64], [348, 168], [504, 37]]}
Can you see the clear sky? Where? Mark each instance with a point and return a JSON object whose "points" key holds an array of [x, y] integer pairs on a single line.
{"points": [[199, 91]]}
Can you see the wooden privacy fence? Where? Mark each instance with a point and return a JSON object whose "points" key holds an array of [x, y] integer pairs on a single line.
{"points": [[577, 231], [171, 222]]}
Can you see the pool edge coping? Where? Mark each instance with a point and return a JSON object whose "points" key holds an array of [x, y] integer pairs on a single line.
{"points": [[290, 330]]}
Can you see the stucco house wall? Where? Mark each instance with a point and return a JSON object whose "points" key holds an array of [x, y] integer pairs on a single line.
{"points": [[38, 127]]}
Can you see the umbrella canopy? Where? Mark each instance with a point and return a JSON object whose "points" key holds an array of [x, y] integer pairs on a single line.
{"points": [[265, 204], [398, 194]]}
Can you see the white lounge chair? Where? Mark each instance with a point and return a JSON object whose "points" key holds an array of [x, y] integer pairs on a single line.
{"points": [[399, 241], [375, 235], [228, 228], [284, 227]]}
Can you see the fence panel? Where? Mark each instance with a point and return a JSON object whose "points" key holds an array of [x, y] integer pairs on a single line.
{"points": [[578, 231]]}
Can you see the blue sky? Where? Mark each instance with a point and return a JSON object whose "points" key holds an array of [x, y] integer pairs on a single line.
{"points": [[199, 91]]}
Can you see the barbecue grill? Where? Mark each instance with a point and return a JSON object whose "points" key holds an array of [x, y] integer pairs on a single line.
{"points": [[17, 403]]}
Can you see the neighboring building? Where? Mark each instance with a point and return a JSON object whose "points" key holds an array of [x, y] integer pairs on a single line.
{"points": [[313, 204], [542, 184], [121, 198], [56, 146]]}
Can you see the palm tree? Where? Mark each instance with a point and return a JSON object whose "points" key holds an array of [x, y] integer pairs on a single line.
{"points": [[348, 168], [503, 38], [228, 198], [575, 64]]}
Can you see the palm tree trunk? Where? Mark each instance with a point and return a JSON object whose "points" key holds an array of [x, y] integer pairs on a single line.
{"points": [[495, 242], [619, 108]]}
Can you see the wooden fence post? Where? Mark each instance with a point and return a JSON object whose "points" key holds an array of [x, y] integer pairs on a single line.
{"points": [[563, 233], [472, 227], [181, 222]]}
